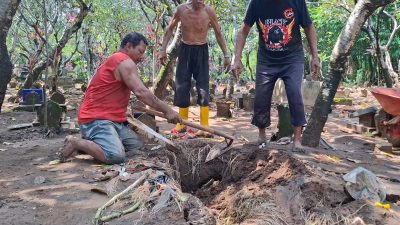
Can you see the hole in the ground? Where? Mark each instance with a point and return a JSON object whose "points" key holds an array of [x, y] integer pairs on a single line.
{"points": [[347, 200], [194, 172], [186, 214], [244, 182], [393, 198]]}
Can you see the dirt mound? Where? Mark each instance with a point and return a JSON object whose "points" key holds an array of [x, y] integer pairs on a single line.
{"points": [[271, 169], [247, 165], [158, 196], [245, 193], [255, 186], [244, 186]]}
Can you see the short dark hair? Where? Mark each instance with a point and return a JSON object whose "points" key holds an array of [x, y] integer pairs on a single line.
{"points": [[134, 38]]}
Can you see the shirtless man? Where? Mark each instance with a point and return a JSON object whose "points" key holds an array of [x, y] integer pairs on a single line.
{"points": [[195, 18]]}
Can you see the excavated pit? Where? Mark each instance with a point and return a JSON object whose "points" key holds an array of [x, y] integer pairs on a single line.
{"points": [[251, 186]]}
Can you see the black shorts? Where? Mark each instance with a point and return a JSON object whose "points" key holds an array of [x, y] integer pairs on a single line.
{"points": [[192, 62]]}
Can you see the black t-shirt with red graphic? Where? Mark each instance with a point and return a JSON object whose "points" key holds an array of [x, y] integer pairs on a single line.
{"points": [[278, 23]]}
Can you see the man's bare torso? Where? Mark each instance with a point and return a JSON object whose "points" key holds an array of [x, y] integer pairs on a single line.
{"points": [[194, 24]]}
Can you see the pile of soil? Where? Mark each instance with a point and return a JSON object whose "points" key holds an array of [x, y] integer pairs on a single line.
{"points": [[244, 186], [252, 186]]}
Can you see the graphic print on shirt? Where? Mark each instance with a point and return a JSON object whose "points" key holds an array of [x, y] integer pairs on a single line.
{"points": [[277, 33]]}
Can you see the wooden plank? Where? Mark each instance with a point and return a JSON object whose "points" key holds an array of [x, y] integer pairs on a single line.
{"points": [[346, 130], [20, 126]]}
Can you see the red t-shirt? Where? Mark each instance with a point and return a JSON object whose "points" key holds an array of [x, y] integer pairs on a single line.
{"points": [[106, 98]]}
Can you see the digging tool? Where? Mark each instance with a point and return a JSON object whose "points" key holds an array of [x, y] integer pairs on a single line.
{"points": [[214, 152], [152, 134]]}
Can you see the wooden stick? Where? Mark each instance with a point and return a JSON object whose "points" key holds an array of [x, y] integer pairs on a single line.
{"points": [[185, 122]]}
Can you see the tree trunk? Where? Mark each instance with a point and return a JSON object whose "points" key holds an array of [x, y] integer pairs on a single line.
{"points": [[398, 66], [382, 51], [389, 67], [248, 66], [232, 79], [342, 49], [7, 12], [84, 10], [166, 72], [89, 56], [380, 54]]}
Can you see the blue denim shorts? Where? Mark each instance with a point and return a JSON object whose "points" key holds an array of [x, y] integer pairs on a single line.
{"points": [[113, 138]]}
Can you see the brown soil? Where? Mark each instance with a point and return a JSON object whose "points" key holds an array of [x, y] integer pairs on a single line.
{"points": [[273, 187], [244, 186]]}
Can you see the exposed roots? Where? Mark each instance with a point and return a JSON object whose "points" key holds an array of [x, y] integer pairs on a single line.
{"points": [[254, 209], [322, 216]]}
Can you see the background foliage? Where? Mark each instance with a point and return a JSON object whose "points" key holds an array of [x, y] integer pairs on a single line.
{"points": [[109, 21]]}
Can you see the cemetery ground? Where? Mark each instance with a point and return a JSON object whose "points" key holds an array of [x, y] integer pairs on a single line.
{"points": [[245, 185]]}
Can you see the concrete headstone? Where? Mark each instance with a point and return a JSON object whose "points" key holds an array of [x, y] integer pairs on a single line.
{"points": [[54, 113], [58, 97], [32, 98], [309, 89]]}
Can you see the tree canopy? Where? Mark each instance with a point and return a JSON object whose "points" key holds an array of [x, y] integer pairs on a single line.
{"points": [[107, 22]]}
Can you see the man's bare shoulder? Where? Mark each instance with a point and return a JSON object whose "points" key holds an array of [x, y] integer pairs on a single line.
{"points": [[210, 10], [182, 8], [126, 65]]}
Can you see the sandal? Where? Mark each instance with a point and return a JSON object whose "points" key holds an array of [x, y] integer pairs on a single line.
{"points": [[60, 157], [262, 144], [179, 131]]}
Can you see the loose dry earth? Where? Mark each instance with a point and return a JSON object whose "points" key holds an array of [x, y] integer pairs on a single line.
{"points": [[244, 186]]}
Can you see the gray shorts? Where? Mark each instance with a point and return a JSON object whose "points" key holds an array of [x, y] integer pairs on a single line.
{"points": [[266, 76], [113, 138]]}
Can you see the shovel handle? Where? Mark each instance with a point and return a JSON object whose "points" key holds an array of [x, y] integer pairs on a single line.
{"points": [[185, 122]]}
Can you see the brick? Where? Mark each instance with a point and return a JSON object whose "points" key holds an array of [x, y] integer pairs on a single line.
{"points": [[360, 129]]}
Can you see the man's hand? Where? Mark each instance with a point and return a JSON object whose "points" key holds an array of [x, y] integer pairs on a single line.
{"points": [[172, 116], [237, 68], [227, 63], [315, 67], [162, 57]]}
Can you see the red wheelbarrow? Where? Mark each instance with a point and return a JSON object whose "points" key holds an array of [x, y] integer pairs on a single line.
{"points": [[389, 99]]}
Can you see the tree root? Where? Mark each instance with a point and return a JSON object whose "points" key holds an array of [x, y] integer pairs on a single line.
{"points": [[119, 214], [99, 218]]}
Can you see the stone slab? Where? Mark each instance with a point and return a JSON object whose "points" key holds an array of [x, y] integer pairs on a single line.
{"points": [[309, 89]]}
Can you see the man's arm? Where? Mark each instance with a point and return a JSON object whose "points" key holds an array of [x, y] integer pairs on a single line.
{"points": [[239, 45], [168, 34], [311, 35], [217, 29], [129, 75], [218, 35]]}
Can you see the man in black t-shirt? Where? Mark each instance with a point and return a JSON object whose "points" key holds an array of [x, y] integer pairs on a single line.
{"points": [[280, 55]]}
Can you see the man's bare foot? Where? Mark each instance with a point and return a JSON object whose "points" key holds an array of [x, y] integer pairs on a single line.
{"points": [[69, 147], [297, 147]]}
